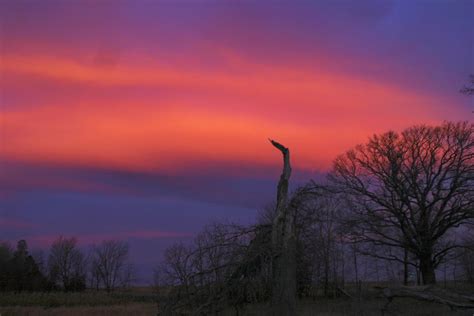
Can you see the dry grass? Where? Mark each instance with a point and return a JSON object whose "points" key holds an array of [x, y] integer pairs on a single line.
{"points": [[342, 307], [321, 307], [141, 302], [133, 302], [130, 309], [88, 298]]}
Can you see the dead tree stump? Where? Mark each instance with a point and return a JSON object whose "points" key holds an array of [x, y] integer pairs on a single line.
{"points": [[284, 246]]}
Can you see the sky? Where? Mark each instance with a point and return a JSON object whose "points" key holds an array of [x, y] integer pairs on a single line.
{"points": [[146, 120]]}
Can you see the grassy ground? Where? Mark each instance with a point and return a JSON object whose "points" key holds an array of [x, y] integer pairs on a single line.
{"points": [[88, 298], [129, 309], [342, 307], [135, 302], [320, 308], [140, 301]]}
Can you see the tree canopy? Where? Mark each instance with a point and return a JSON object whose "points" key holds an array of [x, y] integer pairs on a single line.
{"points": [[409, 190]]}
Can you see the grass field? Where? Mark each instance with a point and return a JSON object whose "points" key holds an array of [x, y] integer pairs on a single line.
{"points": [[343, 307], [141, 301], [320, 307], [109, 310], [89, 298]]}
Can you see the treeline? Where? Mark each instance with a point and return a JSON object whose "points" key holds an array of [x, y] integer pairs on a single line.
{"points": [[66, 268], [397, 208]]}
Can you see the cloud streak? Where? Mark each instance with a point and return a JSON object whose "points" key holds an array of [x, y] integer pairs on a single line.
{"points": [[308, 111]]}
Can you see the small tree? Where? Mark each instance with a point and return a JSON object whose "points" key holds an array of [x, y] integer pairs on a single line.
{"points": [[410, 190], [109, 264], [67, 264]]}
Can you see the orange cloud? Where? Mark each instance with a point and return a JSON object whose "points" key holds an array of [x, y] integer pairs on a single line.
{"points": [[149, 140], [211, 116], [271, 82]]}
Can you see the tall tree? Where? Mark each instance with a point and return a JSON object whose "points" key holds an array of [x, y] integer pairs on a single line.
{"points": [[409, 190]]}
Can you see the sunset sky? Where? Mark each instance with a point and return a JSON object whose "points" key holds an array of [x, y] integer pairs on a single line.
{"points": [[145, 120]]}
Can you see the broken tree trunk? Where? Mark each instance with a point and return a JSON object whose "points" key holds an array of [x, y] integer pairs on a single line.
{"points": [[284, 245]]}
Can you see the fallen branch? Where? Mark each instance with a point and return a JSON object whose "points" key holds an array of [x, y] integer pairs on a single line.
{"points": [[428, 294]]}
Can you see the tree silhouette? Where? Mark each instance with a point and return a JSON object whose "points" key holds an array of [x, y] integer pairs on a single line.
{"points": [[19, 271], [284, 245], [109, 264], [410, 190], [67, 265]]}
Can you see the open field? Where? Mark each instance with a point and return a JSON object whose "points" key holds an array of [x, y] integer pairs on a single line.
{"points": [[127, 309], [140, 301], [343, 307], [88, 298], [323, 307]]}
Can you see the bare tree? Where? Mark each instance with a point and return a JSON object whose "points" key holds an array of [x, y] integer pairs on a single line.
{"points": [[109, 264], [67, 264], [327, 243], [177, 258], [410, 190], [320, 258], [39, 257], [221, 268]]}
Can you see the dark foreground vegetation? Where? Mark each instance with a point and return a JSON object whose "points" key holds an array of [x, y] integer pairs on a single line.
{"points": [[142, 301], [67, 267], [139, 301], [84, 298], [397, 209]]}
